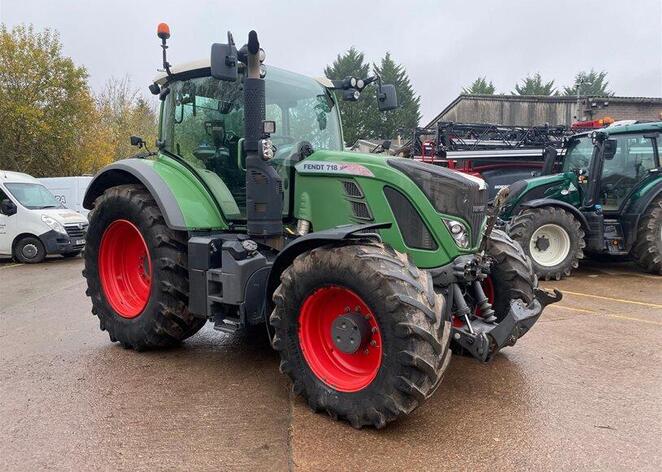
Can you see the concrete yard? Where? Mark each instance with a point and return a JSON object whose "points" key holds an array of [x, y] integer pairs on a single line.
{"points": [[582, 391]]}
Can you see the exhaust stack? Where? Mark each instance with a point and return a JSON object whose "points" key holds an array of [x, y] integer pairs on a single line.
{"points": [[264, 188]]}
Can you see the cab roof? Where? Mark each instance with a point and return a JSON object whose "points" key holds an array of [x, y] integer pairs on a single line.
{"points": [[16, 177], [655, 126], [201, 66]]}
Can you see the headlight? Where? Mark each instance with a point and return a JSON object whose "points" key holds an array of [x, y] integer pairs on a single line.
{"points": [[459, 232], [53, 224]]}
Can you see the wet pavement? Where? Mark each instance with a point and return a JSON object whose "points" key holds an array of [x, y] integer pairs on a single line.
{"points": [[580, 391]]}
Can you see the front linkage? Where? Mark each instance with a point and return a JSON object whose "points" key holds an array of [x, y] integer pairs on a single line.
{"points": [[482, 331]]}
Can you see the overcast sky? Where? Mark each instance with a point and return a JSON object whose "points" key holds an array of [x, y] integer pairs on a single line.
{"points": [[443, 44]]}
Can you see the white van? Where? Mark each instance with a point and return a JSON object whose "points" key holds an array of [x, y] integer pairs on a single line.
{"points": [[69, 191], [33, 223]]}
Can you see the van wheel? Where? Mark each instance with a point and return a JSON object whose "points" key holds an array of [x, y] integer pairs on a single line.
{"points": [[29, 250]]}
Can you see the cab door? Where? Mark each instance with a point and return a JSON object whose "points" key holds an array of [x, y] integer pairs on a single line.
{"points": [[635, 156]]}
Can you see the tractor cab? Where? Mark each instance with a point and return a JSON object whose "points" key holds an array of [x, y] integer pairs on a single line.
{"points": [[202, 122], [607, 179]]}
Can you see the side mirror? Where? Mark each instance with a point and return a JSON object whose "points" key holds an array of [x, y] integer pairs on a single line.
{"points": [[8, 207], [549, 155], [609, 149], [387, 98], [224, 61], [137, 141]]}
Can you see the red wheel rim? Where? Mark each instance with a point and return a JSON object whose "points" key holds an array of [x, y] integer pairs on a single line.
{"points": [[340, 370], [125, 268]]}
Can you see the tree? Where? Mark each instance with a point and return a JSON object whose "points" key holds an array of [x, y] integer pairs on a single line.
{"points": [[46, 109], [480, 86], [534, 85], [356, 116], [590, 83], [124, 112], [408, 114]]}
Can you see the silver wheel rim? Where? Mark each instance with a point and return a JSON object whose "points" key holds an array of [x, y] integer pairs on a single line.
{"points": [[30, 251], [549, 245]]}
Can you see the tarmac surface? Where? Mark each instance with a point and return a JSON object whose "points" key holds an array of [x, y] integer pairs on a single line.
{"points": [[581, 391]]}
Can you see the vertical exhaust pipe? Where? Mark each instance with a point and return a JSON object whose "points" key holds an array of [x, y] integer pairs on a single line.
{"points": [[264, 188]]}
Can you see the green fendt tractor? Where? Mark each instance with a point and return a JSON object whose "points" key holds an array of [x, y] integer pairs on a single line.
{"points": [[607, 200], [363, 268]]}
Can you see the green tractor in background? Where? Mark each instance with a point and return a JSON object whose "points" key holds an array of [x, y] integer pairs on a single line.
{"points": [[363, 268], [607, 200]]}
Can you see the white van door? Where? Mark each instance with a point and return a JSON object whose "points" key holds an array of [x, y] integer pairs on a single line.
{"points": [[6, 232]]}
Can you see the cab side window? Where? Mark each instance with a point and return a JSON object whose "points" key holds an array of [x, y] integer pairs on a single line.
{"points": [[633, 159]]}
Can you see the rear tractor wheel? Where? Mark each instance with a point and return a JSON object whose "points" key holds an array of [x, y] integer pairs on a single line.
{"points": [[360, 332], [136, 271], [647, 250], [552, 238]]}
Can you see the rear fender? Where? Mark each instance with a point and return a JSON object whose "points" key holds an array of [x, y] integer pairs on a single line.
{"points": [[170, 187]]}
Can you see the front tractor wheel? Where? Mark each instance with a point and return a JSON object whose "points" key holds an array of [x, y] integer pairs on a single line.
{"points": [[136, 271], [360, 332], [552, 237]]}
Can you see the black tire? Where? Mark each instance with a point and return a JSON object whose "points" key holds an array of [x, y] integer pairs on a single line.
{"points": [[647, 249], [523, 226], [29, 250], [68, 255], [165, 320], [415, 337], [512, 273]]}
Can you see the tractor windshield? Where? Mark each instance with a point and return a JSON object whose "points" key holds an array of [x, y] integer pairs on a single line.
{"points": [[578, 155], [203, 122]]}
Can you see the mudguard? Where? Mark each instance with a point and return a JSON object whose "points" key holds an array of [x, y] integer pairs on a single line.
{"points": [[313, 240], [185, 204], [543, 202]]}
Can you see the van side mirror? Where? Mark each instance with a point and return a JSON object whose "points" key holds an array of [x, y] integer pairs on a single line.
{"points": [[609, 150], [387, 98], [8, 207]]}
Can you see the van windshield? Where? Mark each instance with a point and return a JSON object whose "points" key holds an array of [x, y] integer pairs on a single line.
{"points": [[33, 196]]}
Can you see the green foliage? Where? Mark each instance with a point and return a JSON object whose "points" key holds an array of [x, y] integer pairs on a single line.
{"points": [[362, 119], [123, 113], [480, 86], [590, 83], [47, 113], [50, 123], [534, 85]]}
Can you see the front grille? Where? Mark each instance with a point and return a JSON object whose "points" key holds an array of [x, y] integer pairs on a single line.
{"points": [[450, 192], [76, 231], [412, 227]]}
